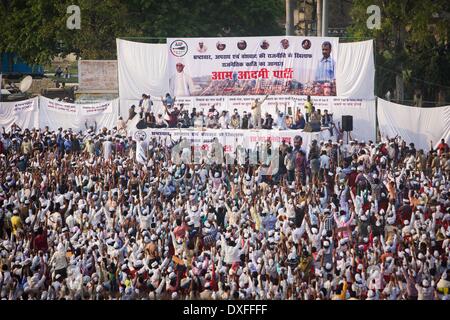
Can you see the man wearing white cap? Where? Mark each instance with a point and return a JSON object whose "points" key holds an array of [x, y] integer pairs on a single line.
{"points": [[181, 83], [256, 112]]}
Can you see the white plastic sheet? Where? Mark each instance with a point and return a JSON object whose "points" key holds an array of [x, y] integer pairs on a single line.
{"points": [[417, 125]]}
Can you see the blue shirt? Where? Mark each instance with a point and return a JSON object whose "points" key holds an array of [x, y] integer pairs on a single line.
{"points": [[169, 101], [269, 222], [67, 144], [325, 70]]}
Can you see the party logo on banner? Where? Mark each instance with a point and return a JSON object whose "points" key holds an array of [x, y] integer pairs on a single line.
{"points": [[179, 48], [141, 134]]}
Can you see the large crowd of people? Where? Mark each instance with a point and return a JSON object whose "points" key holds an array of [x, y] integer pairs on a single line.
{"points": [[80, 218]]}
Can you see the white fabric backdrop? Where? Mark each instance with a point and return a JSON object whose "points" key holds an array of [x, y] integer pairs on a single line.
{"points": [[418, 125], [142, 68], [55, 119], [28, 118], [356, 70], [364, 118]]}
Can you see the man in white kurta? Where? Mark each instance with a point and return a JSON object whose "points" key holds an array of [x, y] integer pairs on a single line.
{"points": [[181, 83]]}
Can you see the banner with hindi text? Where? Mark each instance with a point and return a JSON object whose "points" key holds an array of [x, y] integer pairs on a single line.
{"points": [[252, 66]]}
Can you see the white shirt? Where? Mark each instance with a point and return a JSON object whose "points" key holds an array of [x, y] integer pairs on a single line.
{"points": [[146, 105], [198, 122], [223, 122], [181, 84], [107, 149], [141, 147], [256, 107], [59, 260], [324, 161]]}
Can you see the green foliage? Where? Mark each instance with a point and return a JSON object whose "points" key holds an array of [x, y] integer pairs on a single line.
{"points": [[413, 42], [101, 23], [36, 29], [26, 28], [205, 18]]}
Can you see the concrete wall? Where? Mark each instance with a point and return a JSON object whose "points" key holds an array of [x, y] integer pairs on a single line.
{"points": [[98, 75]]}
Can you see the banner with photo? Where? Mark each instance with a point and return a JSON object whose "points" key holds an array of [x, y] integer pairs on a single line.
{"points": [[252, 66], [231, 140]]}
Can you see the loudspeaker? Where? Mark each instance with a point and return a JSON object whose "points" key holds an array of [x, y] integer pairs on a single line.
{"points": [[312, 126], [347, 123]]}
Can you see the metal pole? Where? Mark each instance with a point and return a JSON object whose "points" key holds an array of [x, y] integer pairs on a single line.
{"points": [[305, 33], [319, 18], [324, 18], [290, 17], [377, 138]]}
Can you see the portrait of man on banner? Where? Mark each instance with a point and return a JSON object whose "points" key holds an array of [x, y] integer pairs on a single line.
{"points": [[325, 71], [180, 83], [201, 47], [284, 43], [220, 46]]}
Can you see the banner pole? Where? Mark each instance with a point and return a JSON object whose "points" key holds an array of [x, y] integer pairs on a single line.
{"points": [[377, 137]]}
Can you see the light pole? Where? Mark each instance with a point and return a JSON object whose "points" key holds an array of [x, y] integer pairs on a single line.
{"points": [[290, 4], [324, 18]]}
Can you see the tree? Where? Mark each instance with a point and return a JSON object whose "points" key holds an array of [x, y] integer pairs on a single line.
{"points": [[101, 23], [412, 45], [36, 29], [30, 28], [204, 18]]}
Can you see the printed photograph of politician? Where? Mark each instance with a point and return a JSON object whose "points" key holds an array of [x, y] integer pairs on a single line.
{"points": [[264, 45], [201, 47], [220, 46], [242, 45], [284, 43], [306, 44]]}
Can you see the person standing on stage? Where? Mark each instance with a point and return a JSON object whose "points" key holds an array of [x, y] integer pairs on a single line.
{"points": [[256, 112], [181, 83], [308, 108]]}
